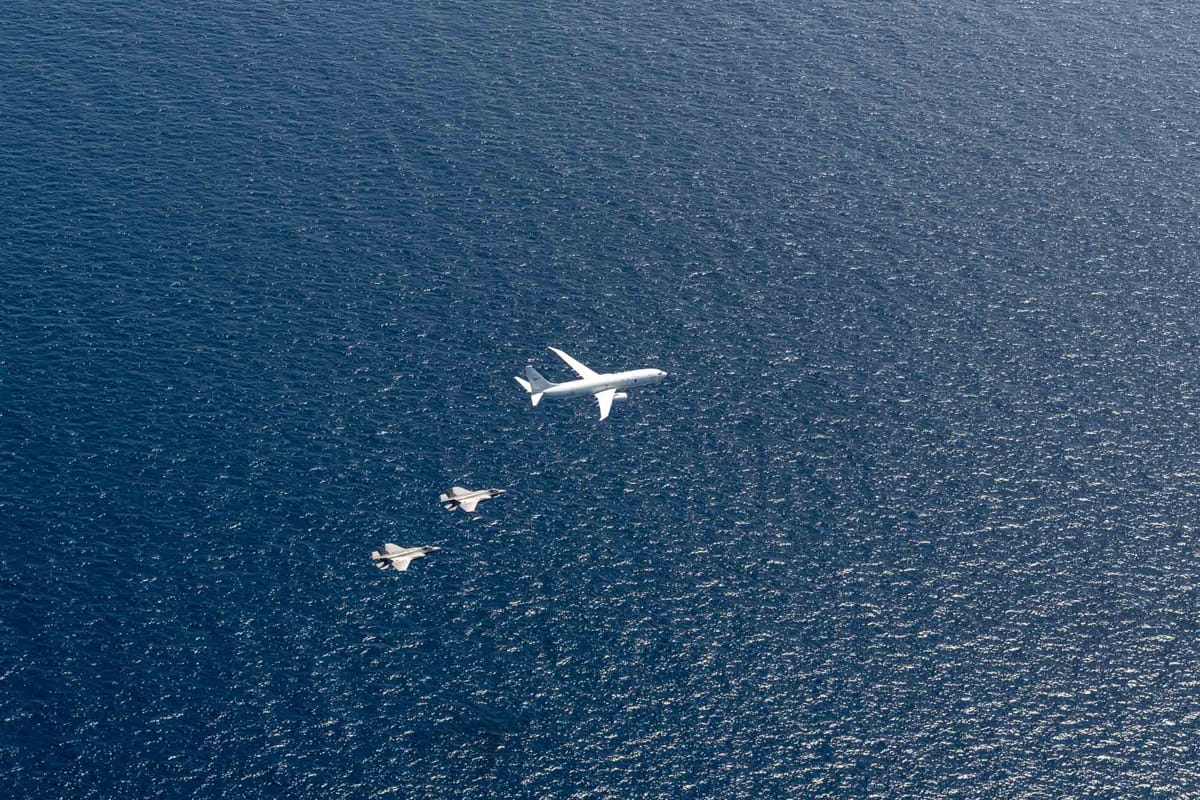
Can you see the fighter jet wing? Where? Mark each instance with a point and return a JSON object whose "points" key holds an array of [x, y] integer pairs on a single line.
{"points": [[583, 371], [401, 564], [457, 491], [391, 548], [605, 399], [469, 505]]}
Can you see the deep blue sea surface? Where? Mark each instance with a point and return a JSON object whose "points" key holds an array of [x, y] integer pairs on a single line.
{"points": [[916, 513]]}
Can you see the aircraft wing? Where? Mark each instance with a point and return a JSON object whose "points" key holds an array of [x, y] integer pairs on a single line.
{"points": [[457, 491], [390, 548], [401, 564], [583, 371], [469, 505], [605, 399]]}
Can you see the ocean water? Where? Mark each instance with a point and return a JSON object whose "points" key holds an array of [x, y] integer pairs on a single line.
{"points": [[914, 515]]}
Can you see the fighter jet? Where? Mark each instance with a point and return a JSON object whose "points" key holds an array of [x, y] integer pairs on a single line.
{"points": [[603, 386], [399, 557], [466, 499]]}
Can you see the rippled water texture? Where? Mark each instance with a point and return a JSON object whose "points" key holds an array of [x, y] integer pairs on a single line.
{"points": [[913, 516]]}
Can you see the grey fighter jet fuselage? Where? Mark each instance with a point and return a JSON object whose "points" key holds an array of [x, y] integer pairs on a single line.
{"points": [[399, 558], [466, 499]]}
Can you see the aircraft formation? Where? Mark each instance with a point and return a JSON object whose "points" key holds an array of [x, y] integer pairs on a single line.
{"points": [[605, 387]]}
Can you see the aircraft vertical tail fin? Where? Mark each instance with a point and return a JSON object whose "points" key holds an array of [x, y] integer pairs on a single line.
{"points": [[537, 384], [534, 384]]}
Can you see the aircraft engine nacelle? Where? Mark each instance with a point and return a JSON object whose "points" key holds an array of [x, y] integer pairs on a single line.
{"points": [[620, 396]]}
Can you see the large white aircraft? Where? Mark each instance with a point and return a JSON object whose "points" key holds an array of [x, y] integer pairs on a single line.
{"points": [[391, 555], [603, 386]]}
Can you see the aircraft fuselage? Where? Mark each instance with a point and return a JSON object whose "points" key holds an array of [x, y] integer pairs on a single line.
{"points": [[600, 383], [409, 552]]}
